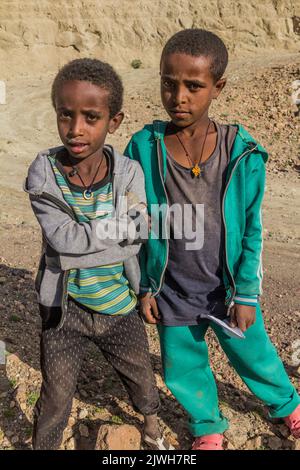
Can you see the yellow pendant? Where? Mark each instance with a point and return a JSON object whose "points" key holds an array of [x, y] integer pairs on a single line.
{"points": [[196, 170]]}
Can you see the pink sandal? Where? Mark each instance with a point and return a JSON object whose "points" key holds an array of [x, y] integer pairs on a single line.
{"points": [[208, 442], [293, 422]]}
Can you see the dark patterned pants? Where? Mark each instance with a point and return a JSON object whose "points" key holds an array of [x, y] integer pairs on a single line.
{"points": [[123, 342]]}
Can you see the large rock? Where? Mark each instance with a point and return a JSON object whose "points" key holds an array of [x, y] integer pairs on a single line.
{"points": [[124, 437], [238, 432]]}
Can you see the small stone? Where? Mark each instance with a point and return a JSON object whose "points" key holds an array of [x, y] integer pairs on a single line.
{"points": [[124, 437], [297, 445], [71, 421], [14, 440], [274, 443], [297, 313], [284, 430], [83, 393], [230, 446], [5, 442], [84, 431], [287, 444], [12, 404], [70, 444], [83, 414], [254, 444], [19, 305], [68, 433]]}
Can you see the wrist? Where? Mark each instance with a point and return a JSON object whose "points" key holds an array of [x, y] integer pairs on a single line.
{"points": [[144, 295], [249, 300], [145, 290]]}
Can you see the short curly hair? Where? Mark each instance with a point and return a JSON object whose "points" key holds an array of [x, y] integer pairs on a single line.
{"points": [[96, 72], [199, 42]]}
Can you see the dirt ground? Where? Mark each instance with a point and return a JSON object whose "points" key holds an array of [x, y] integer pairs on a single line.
{"points": [[257, 95]]}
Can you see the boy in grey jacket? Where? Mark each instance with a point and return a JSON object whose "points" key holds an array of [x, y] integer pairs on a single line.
{"points": [[88, 276]]}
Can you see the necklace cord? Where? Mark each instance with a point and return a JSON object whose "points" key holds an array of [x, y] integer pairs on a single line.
{"points": [[194, 165], [87, 187]]}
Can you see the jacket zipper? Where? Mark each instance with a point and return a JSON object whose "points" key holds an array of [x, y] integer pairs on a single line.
{"points": [[229, 302], [69, 211], [56, 201], [159, 156]]}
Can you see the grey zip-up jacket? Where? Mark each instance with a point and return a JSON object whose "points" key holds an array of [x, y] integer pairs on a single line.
{"points": [[69, 244]]}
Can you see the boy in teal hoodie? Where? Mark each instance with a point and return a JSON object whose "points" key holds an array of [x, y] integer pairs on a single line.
{"points": [[202, 264]]}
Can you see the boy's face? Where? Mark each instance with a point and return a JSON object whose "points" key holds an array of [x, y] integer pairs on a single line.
{"points": [[188, 88], [83, 118]]}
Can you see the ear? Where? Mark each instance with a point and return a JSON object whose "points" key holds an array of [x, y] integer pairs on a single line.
{"points": [[115, 122], [219, 85]]}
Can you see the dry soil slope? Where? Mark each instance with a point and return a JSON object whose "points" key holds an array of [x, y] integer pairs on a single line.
{"points": [[40, 36]]}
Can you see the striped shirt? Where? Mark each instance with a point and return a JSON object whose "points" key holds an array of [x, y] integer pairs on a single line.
{"points": [[103, 289]]}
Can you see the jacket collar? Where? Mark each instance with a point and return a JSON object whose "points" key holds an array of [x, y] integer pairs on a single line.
{"points": [[41, 177], [243, 141]]}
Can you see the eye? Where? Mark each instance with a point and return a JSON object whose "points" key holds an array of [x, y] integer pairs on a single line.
{"points": [[92, 117], [167, 83], [194, 86], [64, 114]]}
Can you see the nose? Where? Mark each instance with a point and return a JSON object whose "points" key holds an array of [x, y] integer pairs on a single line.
{"points": [[179, 95], [76, 127]]}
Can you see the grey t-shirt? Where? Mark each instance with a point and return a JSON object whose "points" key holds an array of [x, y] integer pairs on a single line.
{"points": [[193, 283]]}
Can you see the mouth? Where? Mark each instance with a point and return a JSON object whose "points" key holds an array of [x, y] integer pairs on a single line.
{"points": [[179, 113], [77, 147]]}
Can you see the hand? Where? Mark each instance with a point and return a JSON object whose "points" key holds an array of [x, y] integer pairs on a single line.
{"points": [[134, 204], [142, 209], [148, 309], [242, 316]]}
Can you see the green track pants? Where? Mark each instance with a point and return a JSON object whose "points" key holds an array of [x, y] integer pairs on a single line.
{"points": [[188, 375]]}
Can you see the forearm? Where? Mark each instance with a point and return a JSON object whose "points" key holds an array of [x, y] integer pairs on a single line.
{"points": [[69, 237], [117, 254], [249, 276]]}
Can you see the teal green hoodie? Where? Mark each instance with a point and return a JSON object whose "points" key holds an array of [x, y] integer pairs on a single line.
{"points": [[241, 212]]}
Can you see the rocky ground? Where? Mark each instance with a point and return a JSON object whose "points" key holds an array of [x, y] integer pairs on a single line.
{"points": [[257, 95]]}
